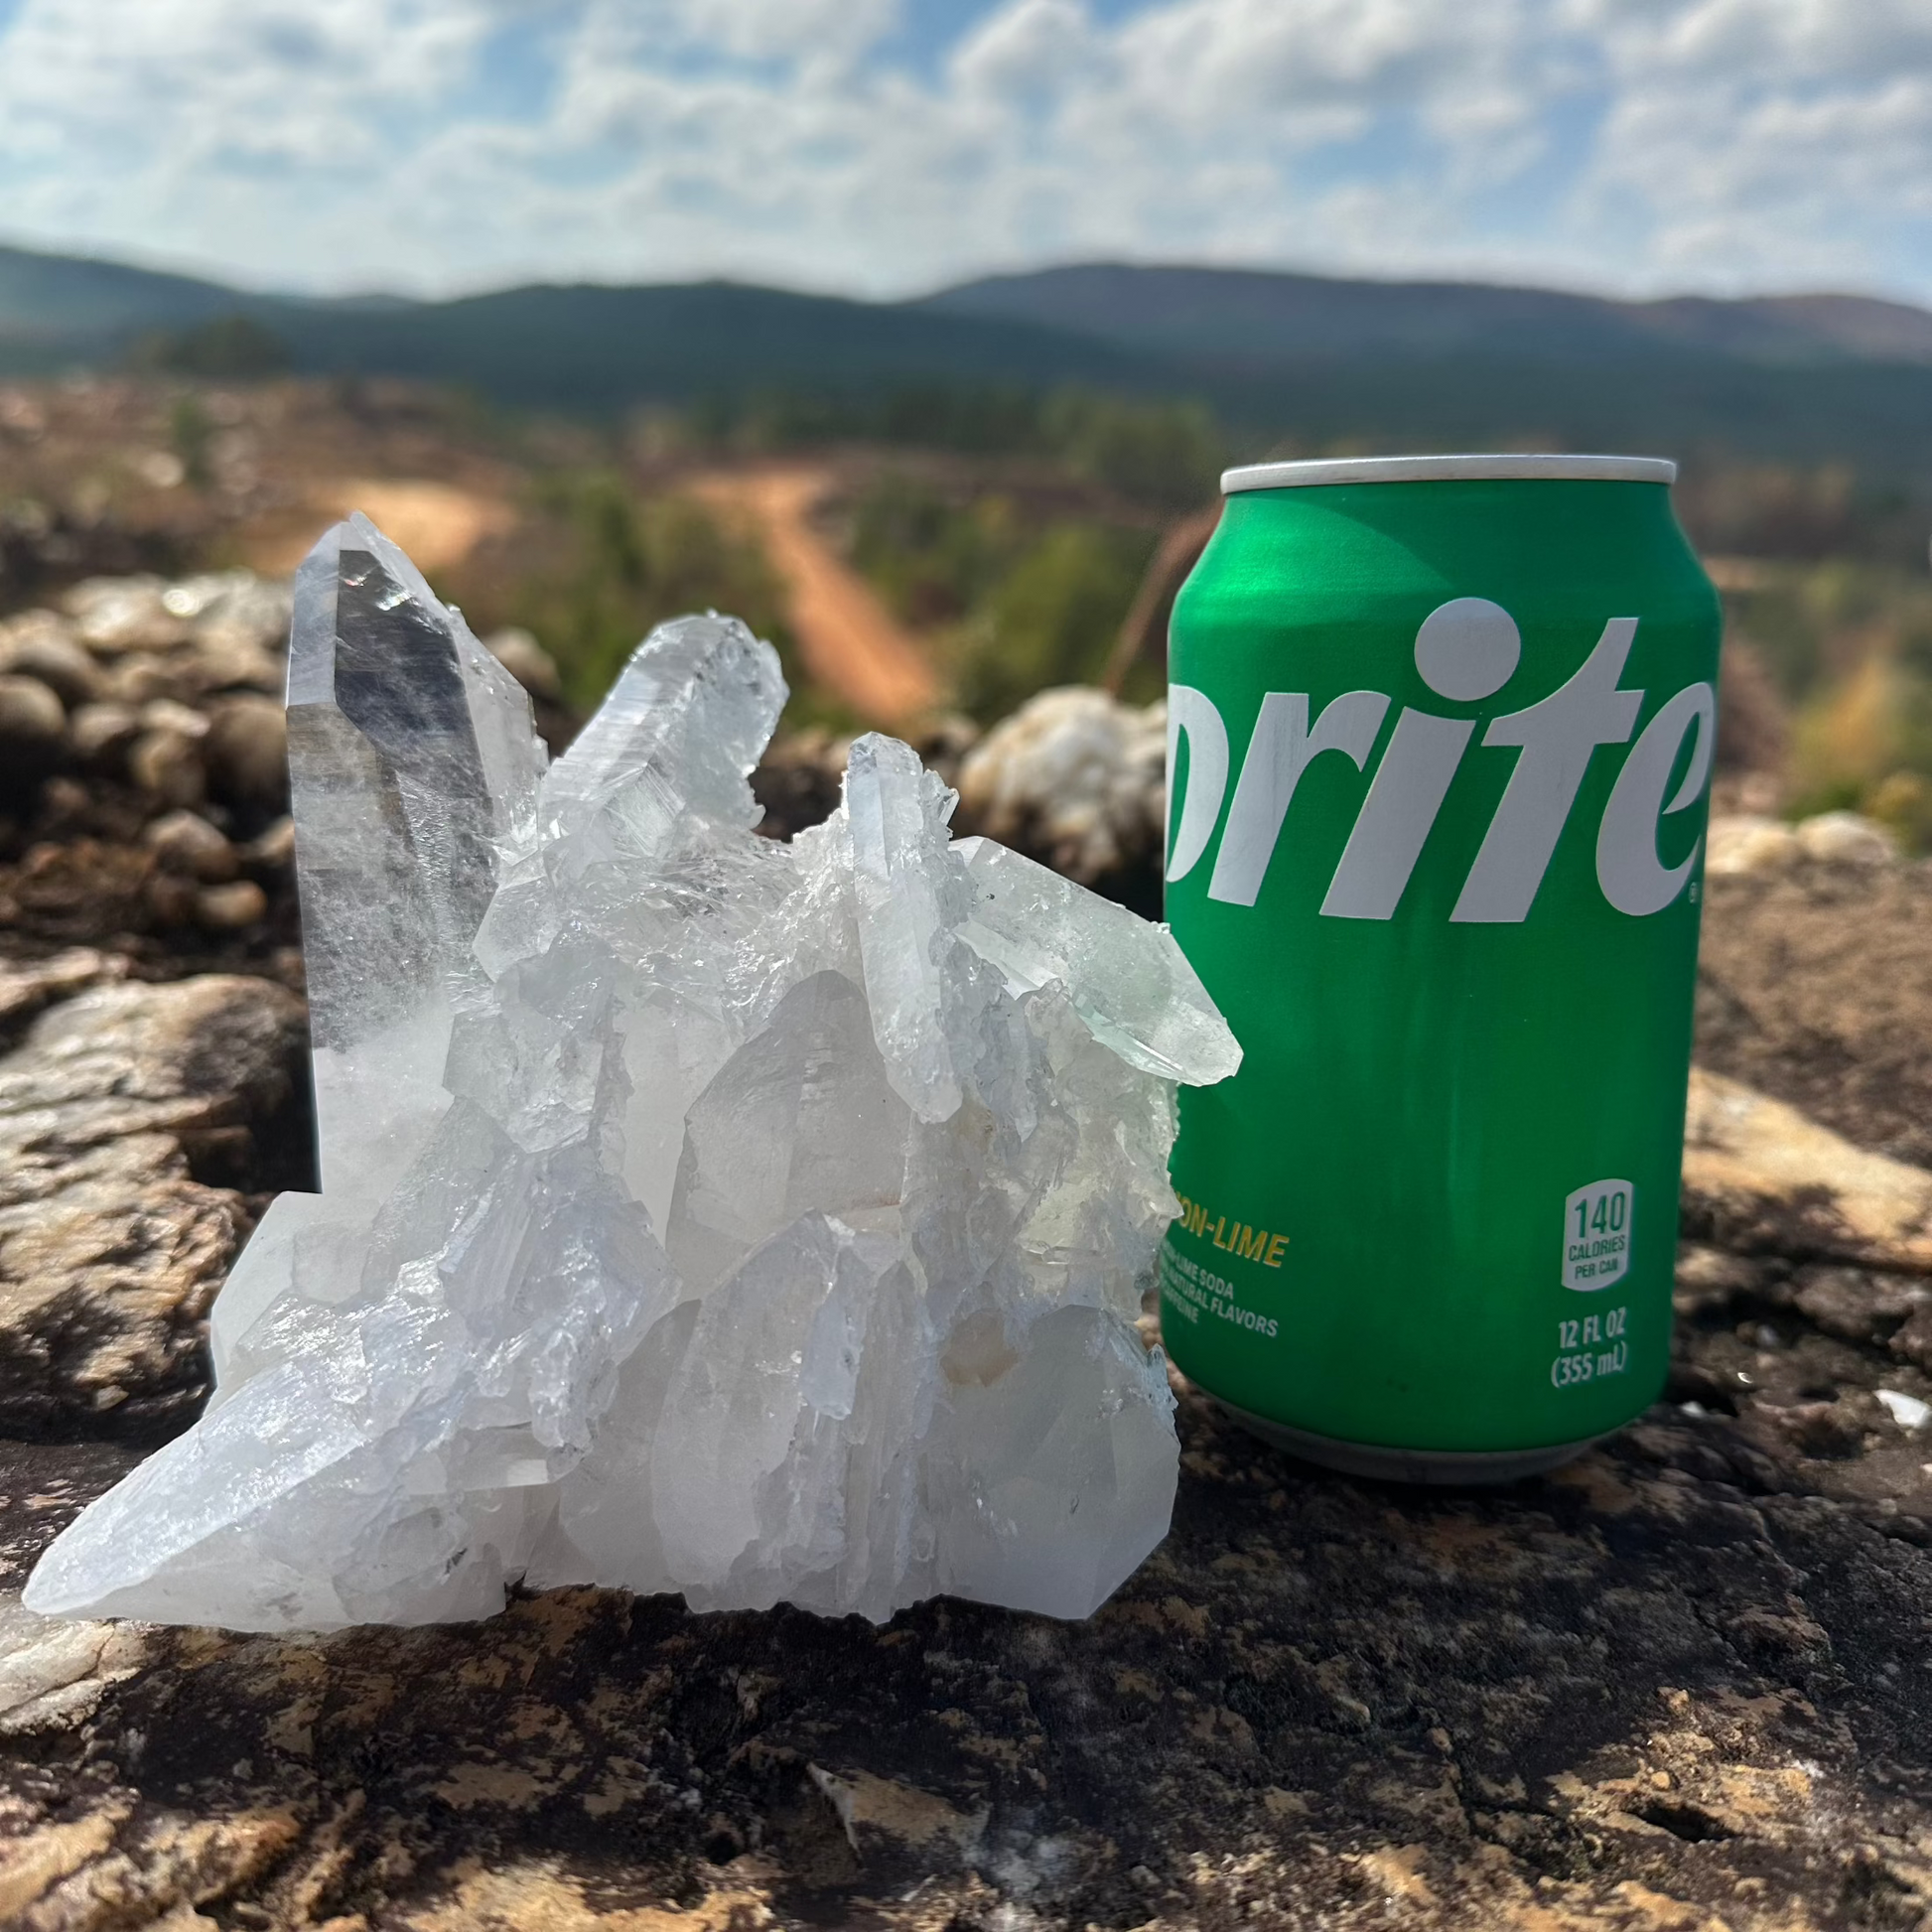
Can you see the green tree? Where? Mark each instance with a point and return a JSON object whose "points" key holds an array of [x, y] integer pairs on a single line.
{"points": [[233, 347], [1053, 619], [597, 566], [934, 557], [1168, 454], [192, 431]]}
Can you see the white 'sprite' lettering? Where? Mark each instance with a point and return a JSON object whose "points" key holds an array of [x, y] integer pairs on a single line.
{"points": [[1467, 650], [1280, 749], [1556, 740], [1194, 713]]}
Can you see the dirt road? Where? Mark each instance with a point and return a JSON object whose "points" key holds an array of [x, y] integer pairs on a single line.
{"points": [[436, 524], [851, 644]]}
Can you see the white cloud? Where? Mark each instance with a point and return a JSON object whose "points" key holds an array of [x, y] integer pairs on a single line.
{"points": [[1773, 140], [434, 144]]}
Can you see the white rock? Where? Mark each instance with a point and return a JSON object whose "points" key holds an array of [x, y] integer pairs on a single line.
{"points": [[527, 661], [1907, 1411], [1846, 839], [53, 1675], [113, 615], [1076, 775], [1742, 845], [762, 1222]]}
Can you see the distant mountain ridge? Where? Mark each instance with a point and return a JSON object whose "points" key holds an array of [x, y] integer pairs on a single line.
{"points": [[45, 299], [1310, 359], [1256, 317], [1225, 316], [593, 346], [74, 311], [587, 345]]}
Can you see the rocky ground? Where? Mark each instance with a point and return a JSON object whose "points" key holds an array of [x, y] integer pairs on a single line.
{"points": [[1685, 1683]]}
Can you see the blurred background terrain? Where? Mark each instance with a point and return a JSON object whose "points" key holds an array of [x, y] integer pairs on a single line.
{"points": [[1681, 1682], [939, 508]]}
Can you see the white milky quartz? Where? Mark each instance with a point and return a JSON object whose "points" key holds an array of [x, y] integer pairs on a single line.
{"points": [[698, 1213]]}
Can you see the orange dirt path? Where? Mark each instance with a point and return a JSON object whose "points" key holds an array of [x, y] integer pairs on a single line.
{"points": [[436, 524], [851, 643]]}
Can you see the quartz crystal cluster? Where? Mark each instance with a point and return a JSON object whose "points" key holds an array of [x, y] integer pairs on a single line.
{"points": [[698, 1212]]}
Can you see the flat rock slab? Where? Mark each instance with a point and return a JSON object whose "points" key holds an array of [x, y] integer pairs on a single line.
{"points": [[1816, 987], [132, 1117], [1762, 1177], [1681, 1684]]}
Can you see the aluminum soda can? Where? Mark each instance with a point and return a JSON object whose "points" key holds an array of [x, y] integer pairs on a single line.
{"points": [[1439, 737]]}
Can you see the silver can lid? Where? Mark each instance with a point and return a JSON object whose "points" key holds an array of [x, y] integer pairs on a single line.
{"points": [[1448, 469]]}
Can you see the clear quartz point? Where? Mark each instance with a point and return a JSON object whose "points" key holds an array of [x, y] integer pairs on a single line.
{"points": [[411, 760], [761, 1222]]}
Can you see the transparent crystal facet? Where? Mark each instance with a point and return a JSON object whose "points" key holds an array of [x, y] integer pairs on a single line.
{"points": [[698, 1213]]}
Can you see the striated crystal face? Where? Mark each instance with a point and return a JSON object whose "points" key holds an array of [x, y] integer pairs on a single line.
{"points": [[698, 1213]]}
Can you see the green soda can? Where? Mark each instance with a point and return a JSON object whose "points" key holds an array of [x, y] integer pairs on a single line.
{"points": [[1440, 735]]}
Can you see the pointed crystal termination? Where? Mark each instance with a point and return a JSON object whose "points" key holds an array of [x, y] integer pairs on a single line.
{"points": [[759, 1222], [898, 814], [411, 755], [1128, 979]]}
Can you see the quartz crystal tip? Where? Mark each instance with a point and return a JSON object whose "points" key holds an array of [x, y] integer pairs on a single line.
{"points": [[412, 762], [1127, 979]]}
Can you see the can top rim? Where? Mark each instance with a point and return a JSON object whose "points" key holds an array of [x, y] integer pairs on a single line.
{"points": [[1444, 468]]}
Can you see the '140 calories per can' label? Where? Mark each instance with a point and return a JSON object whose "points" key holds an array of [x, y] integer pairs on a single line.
{"points": [[1596, 1234]]}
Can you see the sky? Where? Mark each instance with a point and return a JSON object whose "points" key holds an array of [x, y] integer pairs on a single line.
{"points": [[887, 147]]}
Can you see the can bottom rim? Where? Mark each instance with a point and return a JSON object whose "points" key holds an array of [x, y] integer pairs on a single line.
{"points": [[1442, 1468]]}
